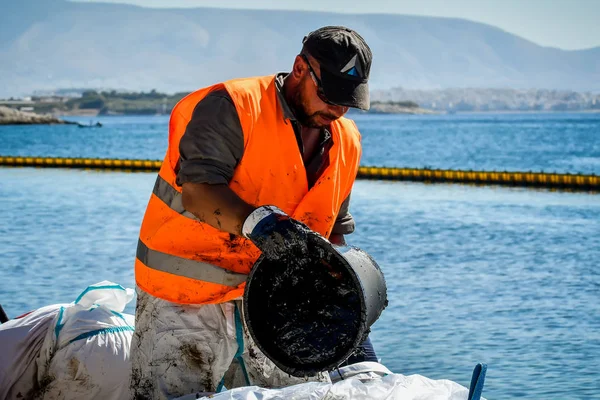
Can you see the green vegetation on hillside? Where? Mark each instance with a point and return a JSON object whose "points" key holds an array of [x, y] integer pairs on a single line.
{"points": [[111, 102], [403, 104], [153, 102]]}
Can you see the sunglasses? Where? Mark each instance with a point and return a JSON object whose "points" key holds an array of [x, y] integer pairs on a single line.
{"points": [[318, 83]]}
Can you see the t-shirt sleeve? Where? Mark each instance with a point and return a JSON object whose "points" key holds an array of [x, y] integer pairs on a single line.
{"points": [[344, 224], [213, 142]]}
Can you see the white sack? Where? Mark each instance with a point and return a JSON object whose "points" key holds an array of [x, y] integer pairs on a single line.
{"points": [[20, 343], [366, 380], [86, 355], [71, 351]]}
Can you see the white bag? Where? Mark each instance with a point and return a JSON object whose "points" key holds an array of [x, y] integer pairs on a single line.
{"points": [[84, 352], [21, 341], [366, 380]]}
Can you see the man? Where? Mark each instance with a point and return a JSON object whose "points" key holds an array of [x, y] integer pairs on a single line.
{"points": [[257, 165]]}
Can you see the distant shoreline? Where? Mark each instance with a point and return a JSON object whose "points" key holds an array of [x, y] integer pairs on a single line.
{"points": [[528, 112], [92, 103], [419, 111], [11, 116]]}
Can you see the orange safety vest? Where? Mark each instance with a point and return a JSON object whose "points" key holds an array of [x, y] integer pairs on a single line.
{"points": [[183, 260]]}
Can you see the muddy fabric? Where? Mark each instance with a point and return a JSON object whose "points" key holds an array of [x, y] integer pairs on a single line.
{"points": [[21, 341], [86, 351], [78, 350], [96, 367], [182, 349]]}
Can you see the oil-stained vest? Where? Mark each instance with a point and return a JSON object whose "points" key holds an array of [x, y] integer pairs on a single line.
{"points": [[183, 260]]}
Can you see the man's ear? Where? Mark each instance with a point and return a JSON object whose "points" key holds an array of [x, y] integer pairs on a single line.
{"points": [[298, 68]]}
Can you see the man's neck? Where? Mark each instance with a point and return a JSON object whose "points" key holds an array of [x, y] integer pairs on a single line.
{"points": [[287, 94]]}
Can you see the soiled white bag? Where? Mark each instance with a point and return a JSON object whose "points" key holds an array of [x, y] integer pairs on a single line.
{"points": [[84, 352], [366, 380], [21, 341]]}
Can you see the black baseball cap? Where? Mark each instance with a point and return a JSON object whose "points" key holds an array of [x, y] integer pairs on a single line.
{"points": [[345, 61]]}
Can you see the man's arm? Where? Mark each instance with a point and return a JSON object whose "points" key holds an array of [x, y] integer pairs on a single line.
{"points": [[210, 149], [217, 205], [344, 224]]}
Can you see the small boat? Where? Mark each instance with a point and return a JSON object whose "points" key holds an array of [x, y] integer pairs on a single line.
{"points": [[96, 125]]}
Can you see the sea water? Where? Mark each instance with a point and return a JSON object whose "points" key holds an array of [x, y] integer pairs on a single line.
{"points": [[505, 276]]}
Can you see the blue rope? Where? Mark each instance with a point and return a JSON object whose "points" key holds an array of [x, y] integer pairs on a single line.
{"points": [[239, 337], [91, 288], [239, 332], [221, 384], [112, 329], [59, 325]]}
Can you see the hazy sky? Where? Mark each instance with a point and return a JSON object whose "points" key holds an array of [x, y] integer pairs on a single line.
{"points": [[567, 24]]}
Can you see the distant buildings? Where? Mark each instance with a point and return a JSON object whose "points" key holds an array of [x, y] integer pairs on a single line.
{"points": [[457, 100]]}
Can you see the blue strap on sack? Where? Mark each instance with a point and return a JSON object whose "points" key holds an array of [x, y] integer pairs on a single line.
{"points": [[239, 331], [477, 381], [239, 335]]}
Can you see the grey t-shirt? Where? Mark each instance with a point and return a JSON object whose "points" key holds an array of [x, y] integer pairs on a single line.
{"points": [[213, 145]]}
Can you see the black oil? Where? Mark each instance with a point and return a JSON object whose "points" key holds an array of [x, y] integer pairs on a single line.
{"points": [[306, 313]]}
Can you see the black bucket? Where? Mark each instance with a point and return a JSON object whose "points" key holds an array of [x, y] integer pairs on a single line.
{"points": [[309, 316]]}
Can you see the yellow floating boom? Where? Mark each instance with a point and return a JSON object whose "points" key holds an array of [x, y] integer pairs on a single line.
{"points": [[95, 163], [531, 179]]}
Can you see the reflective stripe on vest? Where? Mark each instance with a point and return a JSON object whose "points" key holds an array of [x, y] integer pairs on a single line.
{"points": [[171, 197], [187, 268], [177, 265]]}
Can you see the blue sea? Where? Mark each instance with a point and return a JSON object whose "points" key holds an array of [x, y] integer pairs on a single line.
{"points": [[505, 276]]}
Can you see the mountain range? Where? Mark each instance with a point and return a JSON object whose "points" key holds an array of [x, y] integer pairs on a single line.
{"points": [[48, 44]]}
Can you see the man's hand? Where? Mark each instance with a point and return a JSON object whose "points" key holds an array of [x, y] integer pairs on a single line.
{"points": [[277, 234]]}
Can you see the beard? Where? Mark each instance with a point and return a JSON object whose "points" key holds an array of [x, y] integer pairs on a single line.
{"points": [[300, 110]]}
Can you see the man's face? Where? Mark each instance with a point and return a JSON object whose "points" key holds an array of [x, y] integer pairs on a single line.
{"points": [[309, 107]]}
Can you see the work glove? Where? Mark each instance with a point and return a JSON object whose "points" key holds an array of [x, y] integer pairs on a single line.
{"points": [[278, 235]]}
